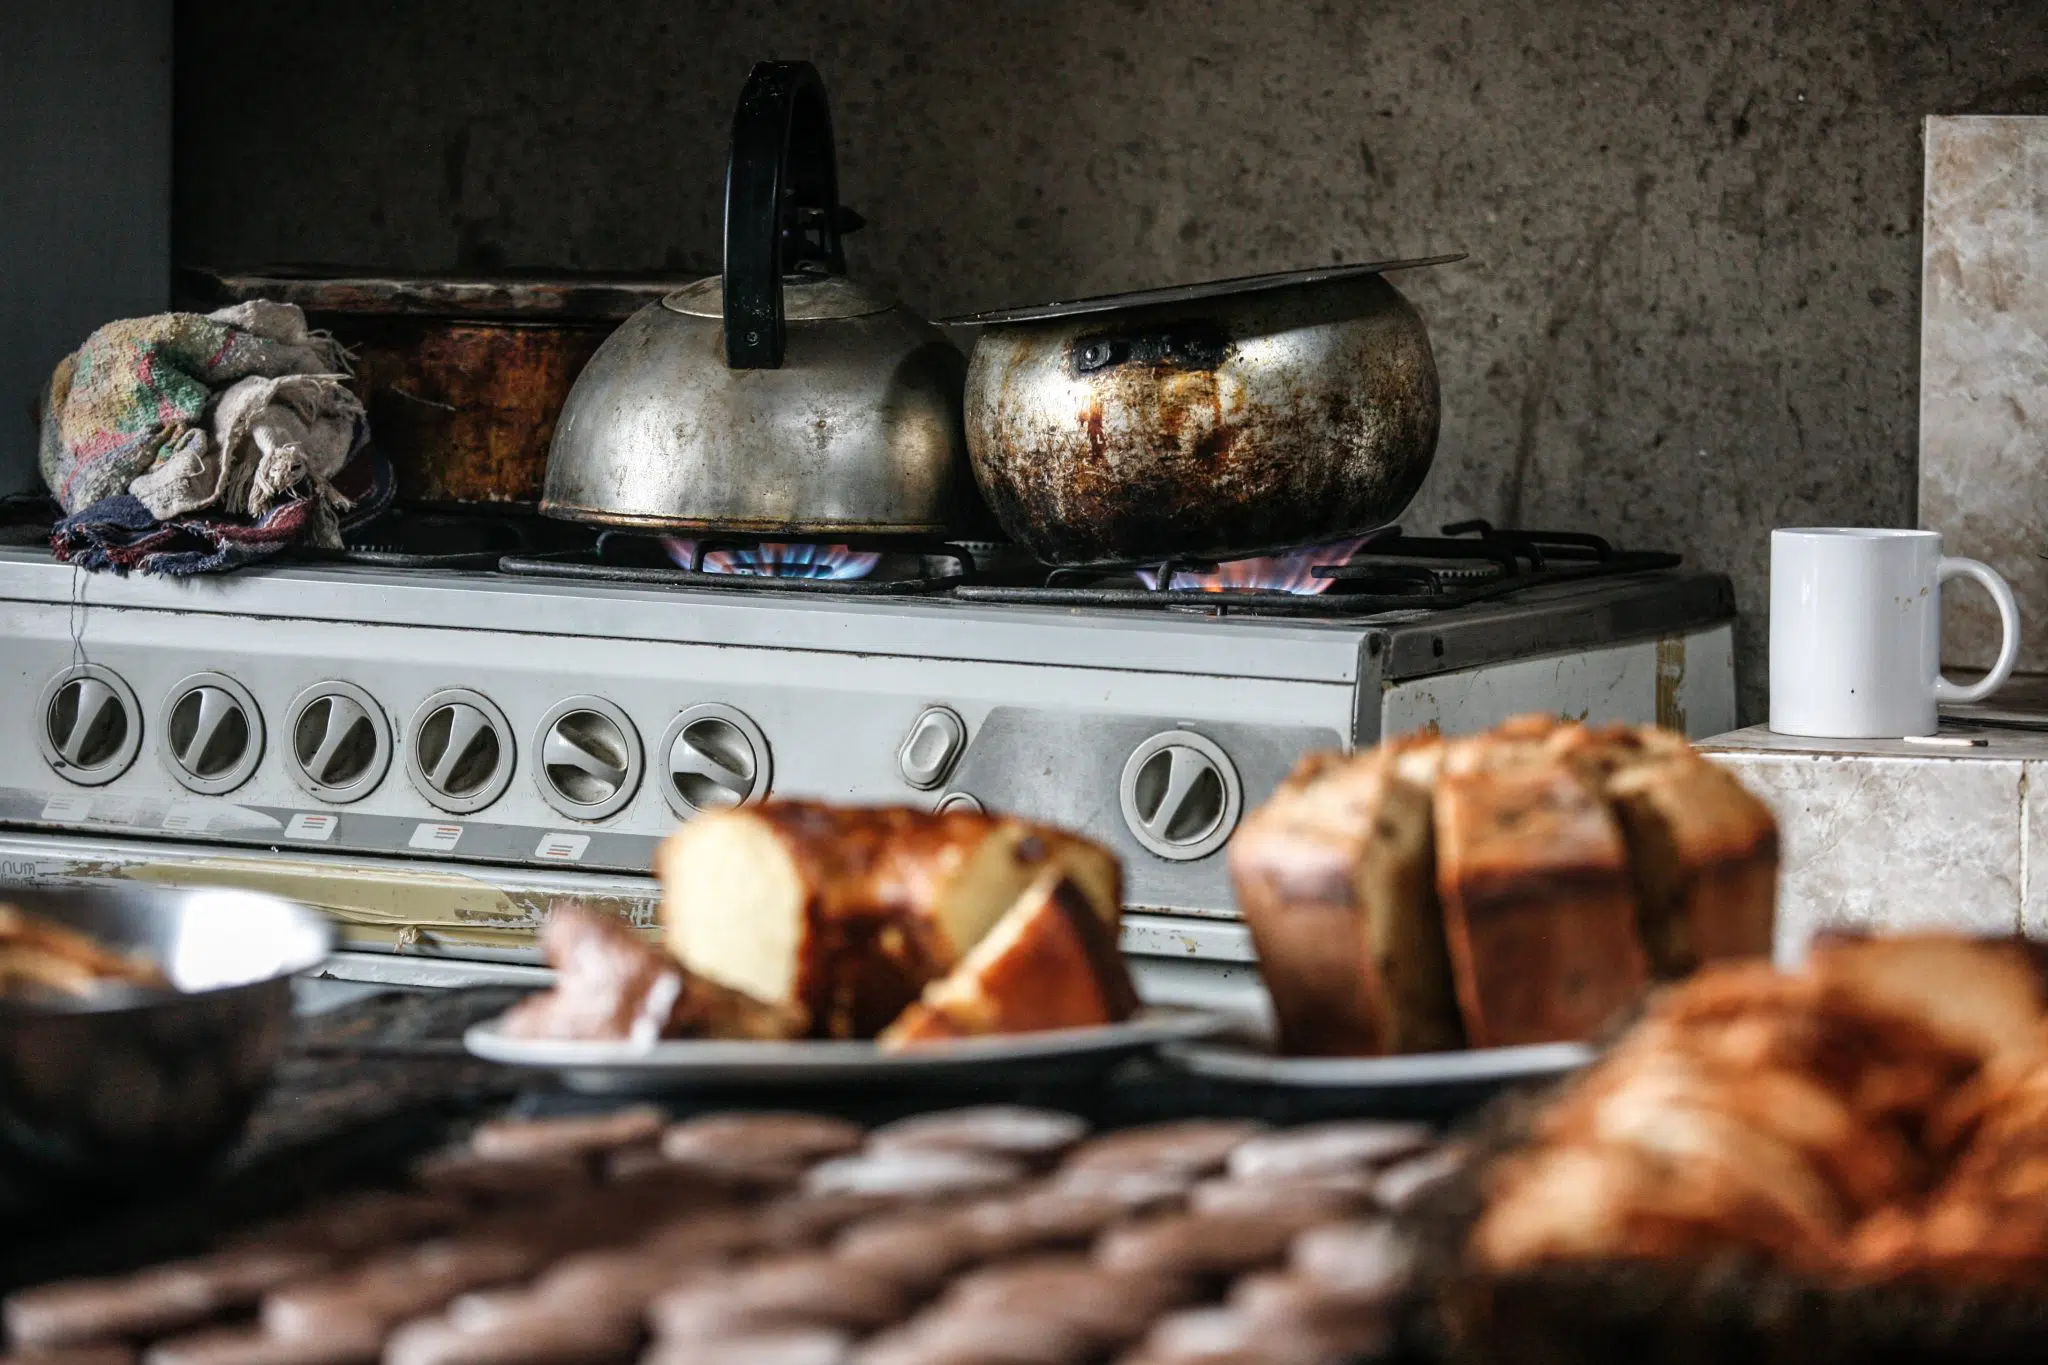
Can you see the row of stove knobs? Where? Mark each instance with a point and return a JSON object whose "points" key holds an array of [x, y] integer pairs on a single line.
{"points": [[1179, 795], [339, 745]]}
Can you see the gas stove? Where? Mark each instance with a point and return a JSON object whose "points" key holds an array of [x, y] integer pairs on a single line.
{"points": [[440, 741]]}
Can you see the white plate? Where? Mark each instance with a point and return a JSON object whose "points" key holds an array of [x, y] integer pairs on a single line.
{"points": [[1239, 1059], [683, 1062]]}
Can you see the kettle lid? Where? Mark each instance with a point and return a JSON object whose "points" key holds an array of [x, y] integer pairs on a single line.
{"points": [[806, 297]]}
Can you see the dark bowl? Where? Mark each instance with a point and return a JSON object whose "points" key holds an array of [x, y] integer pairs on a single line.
{"points": [[110, 1098]]}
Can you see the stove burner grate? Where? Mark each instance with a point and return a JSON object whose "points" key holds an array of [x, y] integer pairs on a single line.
{"points": [[903, 568], [1471, 561], [409, 538]]}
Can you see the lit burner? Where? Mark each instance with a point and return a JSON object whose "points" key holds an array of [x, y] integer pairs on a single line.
{"points": [[778, 559], [1289, 572]]}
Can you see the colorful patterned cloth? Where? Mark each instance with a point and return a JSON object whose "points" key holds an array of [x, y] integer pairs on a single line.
{"points": [[120, 534], [189, 442]]}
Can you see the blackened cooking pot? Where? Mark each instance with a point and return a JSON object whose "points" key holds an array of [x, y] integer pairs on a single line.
{"points": [[1204, 421], [463, 376]]}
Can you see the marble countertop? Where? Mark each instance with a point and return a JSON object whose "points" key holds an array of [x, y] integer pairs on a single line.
{"points": [[1999, 743], [1890, 835]]}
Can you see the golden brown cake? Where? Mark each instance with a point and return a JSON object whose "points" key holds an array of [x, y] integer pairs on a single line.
{"points": [[1519, 885], [1050, 962], [1538, 903], [847, 913], [1335, 877], [611, 983], [1704, 849], [1705, 854]]}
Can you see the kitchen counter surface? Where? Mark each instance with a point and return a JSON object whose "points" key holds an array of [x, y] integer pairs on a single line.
{"points": [[1887, 834], [2000, 744]]}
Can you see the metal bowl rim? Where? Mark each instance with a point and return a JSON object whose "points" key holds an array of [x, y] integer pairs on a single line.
{"points": [[308, 917]]}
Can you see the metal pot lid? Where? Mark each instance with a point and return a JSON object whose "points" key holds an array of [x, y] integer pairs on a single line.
{"points": [[805, 298], [1189, 293], [511, 297]]}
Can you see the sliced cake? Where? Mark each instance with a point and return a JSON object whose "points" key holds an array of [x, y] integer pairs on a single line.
{"points": [[1705, 854], [1052, 961], [1538, 902], [844, 914], [610, 983], [1335, 876]]}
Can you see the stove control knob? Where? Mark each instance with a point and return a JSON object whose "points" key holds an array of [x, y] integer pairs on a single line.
{"points": [[714, 757], [213, 733], [934, 741], [1180, 795], [460, 751], [589, 764], [338, 742], [959, 801], [90, 727]]}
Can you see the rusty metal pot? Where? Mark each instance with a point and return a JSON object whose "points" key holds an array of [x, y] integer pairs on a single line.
{"points": [[464, 377], [1204, 421]]}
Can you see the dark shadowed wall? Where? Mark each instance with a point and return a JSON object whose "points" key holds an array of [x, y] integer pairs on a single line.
{"points": [[1691, 311]]}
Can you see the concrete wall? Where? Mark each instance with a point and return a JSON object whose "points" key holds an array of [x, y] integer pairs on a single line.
{"points": [[85, 190], [1691, 308]]}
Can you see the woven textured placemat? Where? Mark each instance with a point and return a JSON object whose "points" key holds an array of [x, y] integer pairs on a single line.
{"points": [[343, 1111]]}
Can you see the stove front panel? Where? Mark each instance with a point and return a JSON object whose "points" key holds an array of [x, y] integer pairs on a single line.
{"points": [[1685, 682], [403, 923], [485, 740], [659, 721]]}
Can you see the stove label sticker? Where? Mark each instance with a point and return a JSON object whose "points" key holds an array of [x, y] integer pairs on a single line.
{"points": [[315, 828], [67, 808], [436, 838], [562, 848], [119, 810], [185, 819]]}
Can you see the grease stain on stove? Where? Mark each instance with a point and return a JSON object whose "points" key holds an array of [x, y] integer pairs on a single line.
{"points": [[1091, 421], [52, 872], [376, 907], [1671, 683]]}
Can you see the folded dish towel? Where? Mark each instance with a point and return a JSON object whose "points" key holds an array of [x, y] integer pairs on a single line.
{"points": [[121, 534], [234, 427]]}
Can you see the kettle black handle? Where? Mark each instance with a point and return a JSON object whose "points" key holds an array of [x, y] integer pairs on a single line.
{"points": [[781, 205]]}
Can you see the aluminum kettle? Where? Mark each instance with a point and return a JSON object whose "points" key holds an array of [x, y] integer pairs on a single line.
{"points": [[779, 398]]}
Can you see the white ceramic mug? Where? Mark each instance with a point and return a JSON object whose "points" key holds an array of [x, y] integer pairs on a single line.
{"points": [[1856, 632]]}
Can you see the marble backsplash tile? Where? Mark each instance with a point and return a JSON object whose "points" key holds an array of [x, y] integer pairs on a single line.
{"points": [[1984, 371]]}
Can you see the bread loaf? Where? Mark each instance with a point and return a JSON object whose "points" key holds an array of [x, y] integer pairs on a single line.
{"points": [[845, 914], [1705, 854], [1520, 885], [1051, 962], [1336, 878], [1538, 903], [1703, 848]]}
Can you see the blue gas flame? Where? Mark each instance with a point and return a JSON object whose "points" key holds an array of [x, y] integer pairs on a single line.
{"points": [[1289, 571], [779, 559]]}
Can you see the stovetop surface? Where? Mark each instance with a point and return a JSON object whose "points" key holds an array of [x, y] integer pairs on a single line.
{"points": [[1423, 604], [1545, 618], [1385, 570], [652, 691]]}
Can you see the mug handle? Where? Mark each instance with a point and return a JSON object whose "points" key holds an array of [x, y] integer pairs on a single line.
{"points": [[2009, 637]]}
